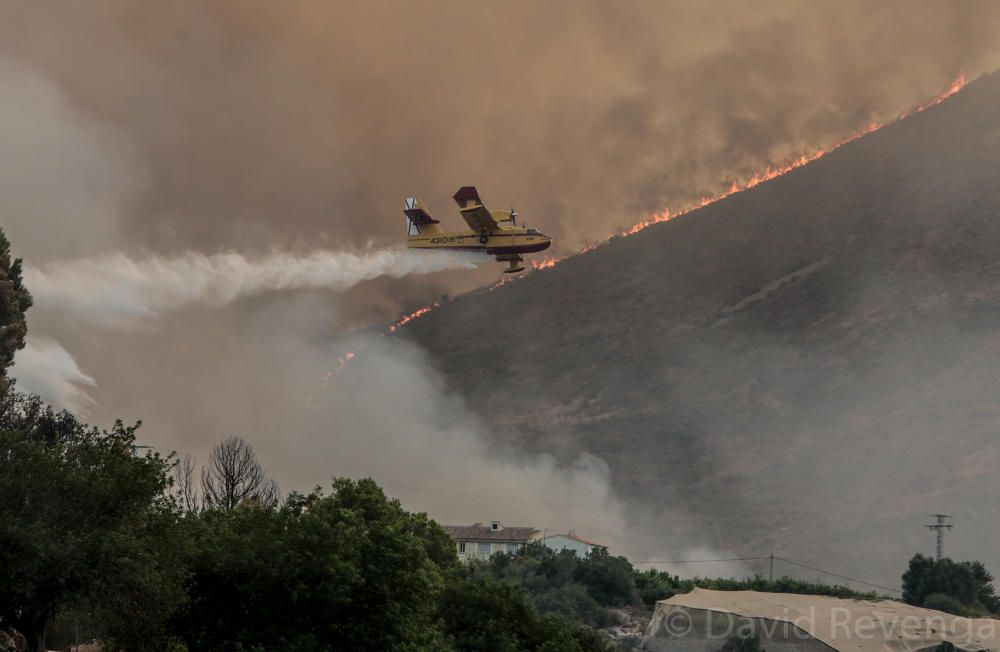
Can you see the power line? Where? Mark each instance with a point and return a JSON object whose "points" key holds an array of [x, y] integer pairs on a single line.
{"points": [[698, 561], [667, 561], [837, 575]]}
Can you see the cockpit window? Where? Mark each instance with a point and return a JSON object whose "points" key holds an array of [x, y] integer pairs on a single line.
{"points": [[532, 232]]}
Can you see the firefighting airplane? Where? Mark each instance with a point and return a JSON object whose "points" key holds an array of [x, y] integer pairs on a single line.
{"points": [[496, 232]]}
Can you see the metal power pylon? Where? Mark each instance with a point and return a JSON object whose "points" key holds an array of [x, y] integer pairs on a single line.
{"points": [[939, 527]]}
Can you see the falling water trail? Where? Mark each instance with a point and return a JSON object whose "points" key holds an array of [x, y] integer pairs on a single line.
{"points": [[45, 368], [118, 290]]}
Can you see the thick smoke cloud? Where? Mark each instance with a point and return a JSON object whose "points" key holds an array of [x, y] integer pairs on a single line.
{"points": [[265, 124], [66, 177], [395, 420], [138, 137], [385, 414]]}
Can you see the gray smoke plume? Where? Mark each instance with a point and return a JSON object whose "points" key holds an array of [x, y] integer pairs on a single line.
{"points": [[67, 178]]}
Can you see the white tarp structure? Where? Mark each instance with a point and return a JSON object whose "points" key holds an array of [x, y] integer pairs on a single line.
{"points": [[703, 620]]}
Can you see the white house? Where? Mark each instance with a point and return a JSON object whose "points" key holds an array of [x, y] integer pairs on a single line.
{"points": [[480, 540], [570, 541]]}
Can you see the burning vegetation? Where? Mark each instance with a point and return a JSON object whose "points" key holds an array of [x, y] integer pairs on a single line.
{"points": [[757, 178]]}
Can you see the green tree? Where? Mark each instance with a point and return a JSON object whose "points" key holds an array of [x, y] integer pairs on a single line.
{"points": [[556, 584], [967, 582], [14, 302], [608, 579], [352, 570], [484, 614], [83, 521], [654, 585]]}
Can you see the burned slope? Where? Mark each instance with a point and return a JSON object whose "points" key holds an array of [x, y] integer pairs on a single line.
{"points": [[809, 366]]}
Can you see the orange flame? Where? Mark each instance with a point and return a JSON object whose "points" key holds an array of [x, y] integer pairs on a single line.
{"points": [[410, 317], [342, 362], [768, 173], [544, 264]]}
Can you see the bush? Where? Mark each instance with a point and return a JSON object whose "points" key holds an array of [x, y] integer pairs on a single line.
{"points": [[574, 602], [489, 615], [945, 603], [563, 584], [742, 644], [610, 580], [654, 586]]}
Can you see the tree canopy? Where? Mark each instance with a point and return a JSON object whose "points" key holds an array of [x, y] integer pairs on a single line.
{"points": [[14, 302], [963, 587], [82, 521], [352, 570]]}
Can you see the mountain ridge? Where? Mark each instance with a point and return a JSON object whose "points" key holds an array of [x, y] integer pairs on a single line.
{"points": [[779, 340]]}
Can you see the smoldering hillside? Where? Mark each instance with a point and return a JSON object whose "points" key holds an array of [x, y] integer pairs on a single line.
{"points": [[808, 367]]}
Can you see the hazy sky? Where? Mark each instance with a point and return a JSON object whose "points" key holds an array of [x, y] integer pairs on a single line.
{"points": [[284, 133]]}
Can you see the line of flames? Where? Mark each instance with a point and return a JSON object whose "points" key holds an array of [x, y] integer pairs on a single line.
{"points": [[759, 177], [768, 173], [410, 317]]}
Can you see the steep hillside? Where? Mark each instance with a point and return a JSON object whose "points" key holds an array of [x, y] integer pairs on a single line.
{"points": [[810, 366]]}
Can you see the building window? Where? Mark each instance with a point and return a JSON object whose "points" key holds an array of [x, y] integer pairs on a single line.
{"points": [[484, 550], [461, 547], [512, 548]]}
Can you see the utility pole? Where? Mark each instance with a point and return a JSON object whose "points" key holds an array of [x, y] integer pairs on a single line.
{"points": [[770, 570], [939, 527]]}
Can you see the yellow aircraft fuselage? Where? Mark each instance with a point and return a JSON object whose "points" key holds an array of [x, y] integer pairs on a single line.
{"points": [[515, 240]]}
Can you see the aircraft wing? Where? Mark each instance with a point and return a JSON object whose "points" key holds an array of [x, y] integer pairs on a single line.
{"points": [[473, 211]]}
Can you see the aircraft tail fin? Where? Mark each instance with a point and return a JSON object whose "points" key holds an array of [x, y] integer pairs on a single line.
{"points": [[419, 217]]}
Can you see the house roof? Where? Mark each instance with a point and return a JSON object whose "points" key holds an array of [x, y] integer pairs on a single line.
{"points": [[575, 537], [483, 532], [845, 625]]}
